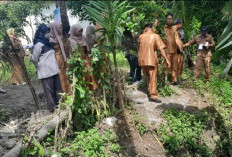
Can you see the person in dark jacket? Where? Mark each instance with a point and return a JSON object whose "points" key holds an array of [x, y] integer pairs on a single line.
{"points": [[131, 54], [47, 68]]}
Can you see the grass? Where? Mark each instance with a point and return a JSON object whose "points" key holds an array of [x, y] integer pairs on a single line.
{"points": [[121, 60]]}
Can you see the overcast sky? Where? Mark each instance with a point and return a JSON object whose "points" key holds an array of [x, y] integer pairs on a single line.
{"points": [[47, 12]]}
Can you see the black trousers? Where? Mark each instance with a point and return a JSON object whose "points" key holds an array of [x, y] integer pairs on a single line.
{"points": [[134, 66], [52, 88]]}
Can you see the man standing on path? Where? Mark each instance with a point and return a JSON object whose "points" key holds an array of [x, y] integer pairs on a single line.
{"points": [[149, 42], [204, 42], [172, 41], [178, 23]]}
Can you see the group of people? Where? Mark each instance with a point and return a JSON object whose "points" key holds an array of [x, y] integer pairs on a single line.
{"points": [[51, 51], [50, 56], [171, 49]]}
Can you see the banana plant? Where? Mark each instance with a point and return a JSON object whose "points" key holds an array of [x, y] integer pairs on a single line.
{"points": [[226, 36], [109, 14]]}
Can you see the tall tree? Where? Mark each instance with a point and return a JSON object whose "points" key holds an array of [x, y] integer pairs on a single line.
{"points": [[65, 23]]}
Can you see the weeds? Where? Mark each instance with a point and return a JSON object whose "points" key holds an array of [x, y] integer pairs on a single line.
{"points": [[91, 144], [166, 91], [183, 130], [121, 60]]}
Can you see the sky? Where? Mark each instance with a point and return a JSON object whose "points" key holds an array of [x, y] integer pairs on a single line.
{"points": [[47, 12]]}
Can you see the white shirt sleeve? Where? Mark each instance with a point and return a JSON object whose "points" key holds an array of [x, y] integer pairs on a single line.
{"points": [[36, 53]]}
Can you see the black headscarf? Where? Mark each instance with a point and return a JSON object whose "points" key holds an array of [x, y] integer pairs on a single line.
{"points": [[39, 35]]}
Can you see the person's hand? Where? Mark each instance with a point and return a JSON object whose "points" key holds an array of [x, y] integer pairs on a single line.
{"points": [[168, 63], [184, 46]]}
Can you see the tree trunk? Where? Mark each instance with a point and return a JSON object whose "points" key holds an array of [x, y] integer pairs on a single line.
{"points": [[65, 23], [64, 17], [227, 68], [118, 80]]}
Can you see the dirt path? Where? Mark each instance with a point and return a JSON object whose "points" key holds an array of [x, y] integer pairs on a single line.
{"points": [[185, 99]]}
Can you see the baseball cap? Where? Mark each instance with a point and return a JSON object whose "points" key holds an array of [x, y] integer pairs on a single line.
{"points": [[203, 29]]}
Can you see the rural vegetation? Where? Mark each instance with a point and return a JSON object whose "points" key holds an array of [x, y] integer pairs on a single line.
{"points": [[81, 127]]}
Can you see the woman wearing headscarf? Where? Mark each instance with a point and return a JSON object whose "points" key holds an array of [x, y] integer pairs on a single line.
{"points": [[76, 39], [61, 57], [17, 76], [47, 68], [90, 38]]}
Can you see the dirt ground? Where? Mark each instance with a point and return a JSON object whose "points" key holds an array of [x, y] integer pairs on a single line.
{"points": [[149, 145], [18, 112]]}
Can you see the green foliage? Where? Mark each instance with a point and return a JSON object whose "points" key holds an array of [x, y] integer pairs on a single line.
{"points": [[166, 91], [142, 129], [225, 39], [87, 105], [144, 12], [91, 144], [221, 92], [140, 126], [207, 12], [77, 8], [5, 72], [35, 149], [14, 14], [82, 100], [31, 70], [108, 14], [121, 60], [184, 130], [221, 89], [98, 61]]}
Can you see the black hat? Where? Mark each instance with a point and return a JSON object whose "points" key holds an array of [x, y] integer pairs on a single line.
{"points": [[203, 29]]}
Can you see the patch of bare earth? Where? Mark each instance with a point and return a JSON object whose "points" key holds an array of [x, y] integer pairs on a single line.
{"points": [[19, 114]]}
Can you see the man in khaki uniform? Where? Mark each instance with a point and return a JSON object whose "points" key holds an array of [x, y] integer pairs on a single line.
{"points": [[149, 42], [178, 23], [172, 41], [204, 42]]}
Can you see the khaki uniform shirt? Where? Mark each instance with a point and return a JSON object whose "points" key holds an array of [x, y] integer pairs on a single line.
{"points": [[199, 40], [149, 42], [172, 39]]}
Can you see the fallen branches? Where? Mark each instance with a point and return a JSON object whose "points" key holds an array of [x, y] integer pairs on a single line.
{"points": [[39, 136]]}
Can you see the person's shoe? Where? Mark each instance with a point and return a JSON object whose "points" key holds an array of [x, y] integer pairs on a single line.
{"points": [[155, 100], [2, 91], [175, 83]]}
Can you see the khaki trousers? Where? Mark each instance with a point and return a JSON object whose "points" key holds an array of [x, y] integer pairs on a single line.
{"points": [[173, 59], [151, 77], [199, 61], [180, 64]]}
